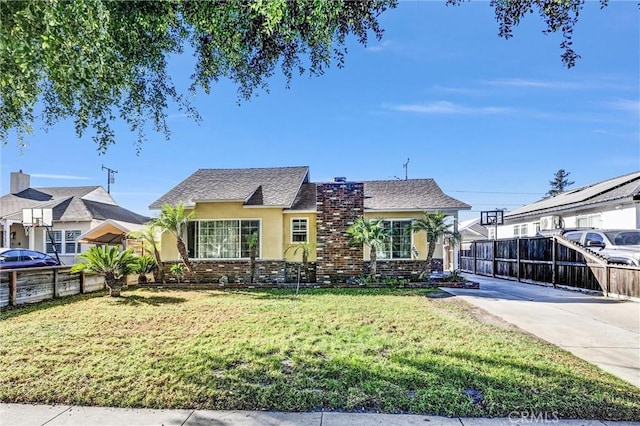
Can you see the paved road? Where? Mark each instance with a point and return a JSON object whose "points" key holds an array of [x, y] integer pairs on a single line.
{"points": [[602, 331], [39, 415]]}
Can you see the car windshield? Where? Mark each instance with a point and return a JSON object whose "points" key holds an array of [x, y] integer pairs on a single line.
{"points": [[624, 238]]}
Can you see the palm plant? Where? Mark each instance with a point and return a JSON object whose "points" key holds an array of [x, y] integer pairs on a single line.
{"points": [[305, 249], [435, 226], [144, 265], [370, 233], [149, 235], [252, 243], [174, 219], [111, 262]]}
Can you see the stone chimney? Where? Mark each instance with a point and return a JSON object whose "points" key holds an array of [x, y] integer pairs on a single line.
{"points": [[19, 182]]}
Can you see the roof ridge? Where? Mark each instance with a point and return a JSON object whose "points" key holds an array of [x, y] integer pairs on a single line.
{"points": [[255, 168], [626, 182]]}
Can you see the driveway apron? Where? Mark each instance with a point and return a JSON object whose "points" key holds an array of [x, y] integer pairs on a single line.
{"points": [[603, 331]]}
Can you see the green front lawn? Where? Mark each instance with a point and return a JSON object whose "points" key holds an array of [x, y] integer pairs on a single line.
{"points": [[364, 349]]}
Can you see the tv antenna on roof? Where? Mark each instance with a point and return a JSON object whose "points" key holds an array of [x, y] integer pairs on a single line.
{"points": [[111, 178], [405, 166]]}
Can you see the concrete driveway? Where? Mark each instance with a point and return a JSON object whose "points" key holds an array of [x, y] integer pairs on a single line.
{"points": [[602, 331]]}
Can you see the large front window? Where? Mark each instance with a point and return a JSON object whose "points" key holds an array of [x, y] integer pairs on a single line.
{"points": [[398, 245], [222, 239], [64, 241]]}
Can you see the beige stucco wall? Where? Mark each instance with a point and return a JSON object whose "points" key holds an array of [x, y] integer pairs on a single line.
{"points": [[286, 236], [271, 227]]}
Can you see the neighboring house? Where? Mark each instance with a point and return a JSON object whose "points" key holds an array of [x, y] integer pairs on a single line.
{"points": [[610, 204], [81, 215], [471, 230], [285, 208]]}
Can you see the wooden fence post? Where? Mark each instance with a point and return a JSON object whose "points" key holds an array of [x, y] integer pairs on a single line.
{"points": [[13, 288], [475, 257], [82, 282], [55, 283], [518, 260], [554, 261], [494, 264]]}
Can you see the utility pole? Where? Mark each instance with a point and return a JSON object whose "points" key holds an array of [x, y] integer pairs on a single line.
{"points": [[111, 178]]}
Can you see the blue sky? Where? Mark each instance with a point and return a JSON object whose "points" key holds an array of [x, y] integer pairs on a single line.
{"points": [[491, 120]]}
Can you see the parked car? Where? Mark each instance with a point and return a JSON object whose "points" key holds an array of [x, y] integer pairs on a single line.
{"points": [[559, 231], [616, 245], [11, 258]]}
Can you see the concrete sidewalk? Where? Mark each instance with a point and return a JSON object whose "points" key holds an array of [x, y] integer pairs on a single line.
{"points": [[600, 330], [39, 415]]}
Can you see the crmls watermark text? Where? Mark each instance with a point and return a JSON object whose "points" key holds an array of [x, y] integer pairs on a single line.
{"points": [[525, 416]]}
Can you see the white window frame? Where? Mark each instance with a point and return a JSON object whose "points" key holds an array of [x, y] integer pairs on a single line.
{"points": [[248, 219], [411, 244], [521, 230], [63, 241], [594, 220], [306, 231]]}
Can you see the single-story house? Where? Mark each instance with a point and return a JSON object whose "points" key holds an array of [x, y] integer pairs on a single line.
{"points": [[610, 204], [471, 230], [81, 216], [286, 209]]}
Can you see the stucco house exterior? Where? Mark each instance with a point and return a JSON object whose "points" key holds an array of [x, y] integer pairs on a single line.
{"points": [[82, 216], [610, 204], [286, 209]]}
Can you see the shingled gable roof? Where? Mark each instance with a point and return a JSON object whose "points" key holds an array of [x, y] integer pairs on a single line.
{"points": [[418, 194], [79, 203], [264, 187], [619, 188]]}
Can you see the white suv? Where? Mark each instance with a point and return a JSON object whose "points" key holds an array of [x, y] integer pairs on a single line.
{"points": [[616, 245]]}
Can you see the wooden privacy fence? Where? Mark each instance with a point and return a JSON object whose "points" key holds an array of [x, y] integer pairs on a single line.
{"points": [[551, 260], [30, 285]]}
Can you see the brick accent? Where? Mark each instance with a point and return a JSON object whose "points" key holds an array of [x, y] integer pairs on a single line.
{"points": [[237, 271], [338, 205], [407, 269]]}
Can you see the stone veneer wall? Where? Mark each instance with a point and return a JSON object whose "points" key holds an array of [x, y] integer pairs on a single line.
{"points": [[407, 269], [338, 205], [237, 271]]}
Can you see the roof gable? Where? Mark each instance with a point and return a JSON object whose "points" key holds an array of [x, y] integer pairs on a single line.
{"points": [[77, 203], [621, 187], [267, 187], [420, 194]]}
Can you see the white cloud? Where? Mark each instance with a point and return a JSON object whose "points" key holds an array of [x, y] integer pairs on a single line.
{"points": [[462, 90], [625, 105], [175, 116], [65, 177], [380, 47], [445, 107], [538, 84]]}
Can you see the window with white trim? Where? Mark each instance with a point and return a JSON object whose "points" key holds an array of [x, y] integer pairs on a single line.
{"points": [[398, 245], [536, 227], [63, 240], [589, 221], [221, 239], [299, 230], [520, 230]]}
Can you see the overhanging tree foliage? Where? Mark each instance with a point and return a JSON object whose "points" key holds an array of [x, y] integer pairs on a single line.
{"points": [[94, 61]]}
